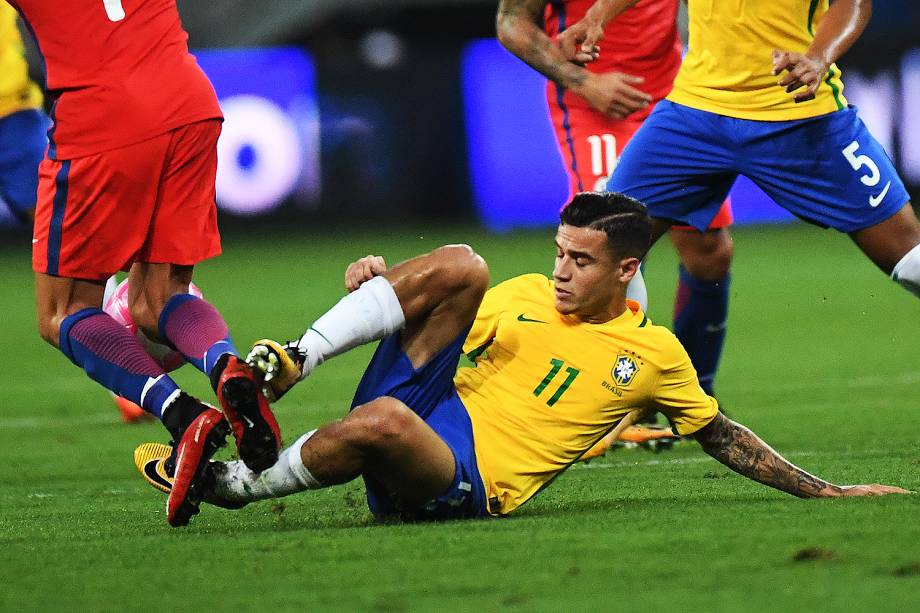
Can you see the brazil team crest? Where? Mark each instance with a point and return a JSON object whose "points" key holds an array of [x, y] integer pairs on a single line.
{"points": [[624, 371]]}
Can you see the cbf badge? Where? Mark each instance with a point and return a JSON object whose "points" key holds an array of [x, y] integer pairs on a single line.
{"points": [[624, 371]]}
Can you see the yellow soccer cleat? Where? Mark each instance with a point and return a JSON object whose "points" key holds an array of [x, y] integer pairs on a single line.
{"points": [[280, 366], [626, 432], [155, 462], [643, 434], [599, 449]]}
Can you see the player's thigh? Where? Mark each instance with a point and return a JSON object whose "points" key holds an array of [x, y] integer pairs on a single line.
{"points": [[827, 170], [93, 213], [184, 226], [440, 293], [22, 147], [407, 457], [680, 164]]}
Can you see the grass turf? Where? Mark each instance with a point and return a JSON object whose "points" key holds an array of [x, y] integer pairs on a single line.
{"points": [[820, 360]]}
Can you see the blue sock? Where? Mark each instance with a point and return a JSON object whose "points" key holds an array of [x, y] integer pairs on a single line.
{"points": [[112, 356], [196, 330], [700, 319]]}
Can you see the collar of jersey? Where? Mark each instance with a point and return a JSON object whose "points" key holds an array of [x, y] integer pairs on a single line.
{"points": [[631, 317]]}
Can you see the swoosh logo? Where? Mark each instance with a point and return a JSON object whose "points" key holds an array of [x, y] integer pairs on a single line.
{"points": [[874, 201], [153, 474], [522, 317]]}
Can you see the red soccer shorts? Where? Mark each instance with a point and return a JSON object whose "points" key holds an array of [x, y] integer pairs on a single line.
{"points": [[153, 201], [591, 145]]}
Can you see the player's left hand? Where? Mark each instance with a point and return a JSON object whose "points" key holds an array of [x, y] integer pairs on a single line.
{"points": [[363, 270], [803, 71], [876, 489]]}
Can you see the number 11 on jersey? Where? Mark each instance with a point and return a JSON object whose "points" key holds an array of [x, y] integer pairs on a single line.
{"points": [[556, 367], [114, 9]]}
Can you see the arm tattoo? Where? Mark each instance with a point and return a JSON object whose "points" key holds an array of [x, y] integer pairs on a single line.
{"points": [[518, 23], [741, 450]]}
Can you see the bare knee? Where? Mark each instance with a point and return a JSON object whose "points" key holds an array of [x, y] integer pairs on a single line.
{"points": [[57, 298], [706, 255], [378, 424], [458, 267]]}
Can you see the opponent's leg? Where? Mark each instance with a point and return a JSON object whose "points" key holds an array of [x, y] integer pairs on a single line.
{"points": [[70, 319], [165, 311], [383, 440], [894, 246], [701, 304], [162, 307]]}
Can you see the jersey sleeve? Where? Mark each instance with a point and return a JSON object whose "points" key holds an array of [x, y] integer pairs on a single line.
{"points": [[679, 396], [494, 303]]}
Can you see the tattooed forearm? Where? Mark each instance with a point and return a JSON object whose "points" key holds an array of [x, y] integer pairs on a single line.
{"points": [[744, 452], [518, 26]]}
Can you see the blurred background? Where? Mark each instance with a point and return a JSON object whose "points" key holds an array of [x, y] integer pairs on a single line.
{"points": [[365, 111]]}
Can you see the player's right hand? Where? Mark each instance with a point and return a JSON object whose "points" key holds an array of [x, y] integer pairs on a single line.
{"points": [[363, 270], [578, 42], [613, 94]]}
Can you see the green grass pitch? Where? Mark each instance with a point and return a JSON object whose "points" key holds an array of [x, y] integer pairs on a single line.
{"points": [[821, 360]]}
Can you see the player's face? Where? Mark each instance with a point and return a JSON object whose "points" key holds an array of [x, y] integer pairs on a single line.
{"points": [[589, 281]]}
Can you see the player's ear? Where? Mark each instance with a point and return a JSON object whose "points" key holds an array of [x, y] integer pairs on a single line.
{"points": [[628, 269]]}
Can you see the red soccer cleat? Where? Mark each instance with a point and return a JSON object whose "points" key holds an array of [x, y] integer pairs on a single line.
{"points": [[204, 436], [258, 437]]}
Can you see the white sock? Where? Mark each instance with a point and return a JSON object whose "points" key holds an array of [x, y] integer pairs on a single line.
{"points": [[369, 313], [907, 271], [286, 476]]}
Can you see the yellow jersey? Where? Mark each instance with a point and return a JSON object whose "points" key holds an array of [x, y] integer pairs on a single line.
{"points": [[17, 91], [728, 67], [546, 386]]}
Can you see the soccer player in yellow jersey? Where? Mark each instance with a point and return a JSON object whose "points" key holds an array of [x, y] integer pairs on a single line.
{"points": [[558, 363], [22, 122], [759, 94]]}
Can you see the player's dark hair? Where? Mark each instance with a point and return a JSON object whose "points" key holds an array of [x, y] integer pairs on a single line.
{"points": [[624, 220]]}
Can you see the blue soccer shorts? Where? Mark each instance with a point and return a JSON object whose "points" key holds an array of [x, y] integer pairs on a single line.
{"points": [[429, 391], [827, 170], [23, 140]]}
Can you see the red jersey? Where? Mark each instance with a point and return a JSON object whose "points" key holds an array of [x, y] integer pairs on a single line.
{"points": [[118, 72], [642, 40]]}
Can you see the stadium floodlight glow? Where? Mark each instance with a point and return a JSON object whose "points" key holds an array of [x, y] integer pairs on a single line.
{"points": [[259, 154], [910, 133], [268, 96], [382, 49]]}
